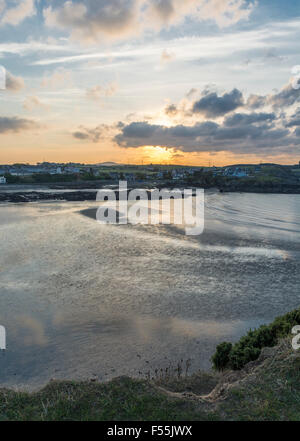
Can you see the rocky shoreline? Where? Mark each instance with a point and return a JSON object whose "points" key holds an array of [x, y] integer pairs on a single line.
{"points": [[36, 196], [81, 195]]}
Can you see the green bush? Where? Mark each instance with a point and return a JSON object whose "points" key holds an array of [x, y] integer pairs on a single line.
{"points": [[248, 348], [221, 357]]}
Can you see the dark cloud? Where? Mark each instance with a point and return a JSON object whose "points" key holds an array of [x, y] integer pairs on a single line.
{"points": [[212, 106], [139, 130], [14, 124], [242, 137], [239, 132], [171, 110], [288, 96], [240, 119], [91, 134], [256, 101], [81, 135]]}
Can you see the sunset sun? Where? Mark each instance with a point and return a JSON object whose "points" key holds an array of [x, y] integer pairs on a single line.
{"points": [[157, 154]]}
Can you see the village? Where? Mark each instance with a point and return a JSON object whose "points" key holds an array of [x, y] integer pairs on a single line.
{"points": [[50, 172]]}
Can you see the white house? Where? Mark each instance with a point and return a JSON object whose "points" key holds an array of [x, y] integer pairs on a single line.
{"points": [[2, 180], [236, 172]]}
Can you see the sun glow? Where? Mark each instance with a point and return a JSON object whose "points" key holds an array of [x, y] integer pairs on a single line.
{"points": [[157, 154]]}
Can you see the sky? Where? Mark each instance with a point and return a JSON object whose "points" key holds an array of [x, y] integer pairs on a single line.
{"points": [[193, 82]]}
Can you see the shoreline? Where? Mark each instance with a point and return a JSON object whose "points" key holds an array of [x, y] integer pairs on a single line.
{"points": [[81, 195]]}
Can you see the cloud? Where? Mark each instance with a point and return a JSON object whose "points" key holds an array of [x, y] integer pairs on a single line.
{"points": [[2, 6], [171, 110], [14, 84], [166, 57], [91, 20], [164, 10], [272, 56], [242, 119], [212, 106], [81, 135], [191, 92], [225, 128], [226, 12], [33, 102], [91, 134], [256, 101], [295, 120], [16, 125], [96, 93], [171, 12], [285, 98], [297, 132], [205, 136], [16, 14], [58, 79]]}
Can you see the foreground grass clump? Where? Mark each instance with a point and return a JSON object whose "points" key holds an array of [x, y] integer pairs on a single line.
{"points": [[265, 390], [121, 399], [248, 348]]}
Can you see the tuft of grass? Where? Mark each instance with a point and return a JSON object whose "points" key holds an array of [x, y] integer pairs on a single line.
{"points": [[267, 389], [122, 399], [271, 392]]}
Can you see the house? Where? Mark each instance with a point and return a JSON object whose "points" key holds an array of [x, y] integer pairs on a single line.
{"points": [[236, 172], [240, 173], [55, 171], [2, 180], [25, 170]]}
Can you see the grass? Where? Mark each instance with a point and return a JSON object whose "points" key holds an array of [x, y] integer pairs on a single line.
{"points": [[271, 392], [266, 389], [122, 399]]}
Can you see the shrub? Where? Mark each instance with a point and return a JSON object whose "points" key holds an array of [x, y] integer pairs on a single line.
{"points": [[221, 358], [248, 348]]}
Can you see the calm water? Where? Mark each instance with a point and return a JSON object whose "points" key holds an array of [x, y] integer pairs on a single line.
{"points": [[80, 300]]}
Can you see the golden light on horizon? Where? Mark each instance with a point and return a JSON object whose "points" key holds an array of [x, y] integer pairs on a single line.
{"points": [[157, 154]]}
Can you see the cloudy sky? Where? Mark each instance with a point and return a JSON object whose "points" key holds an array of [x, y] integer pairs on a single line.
{"points": [[165, 81]]}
